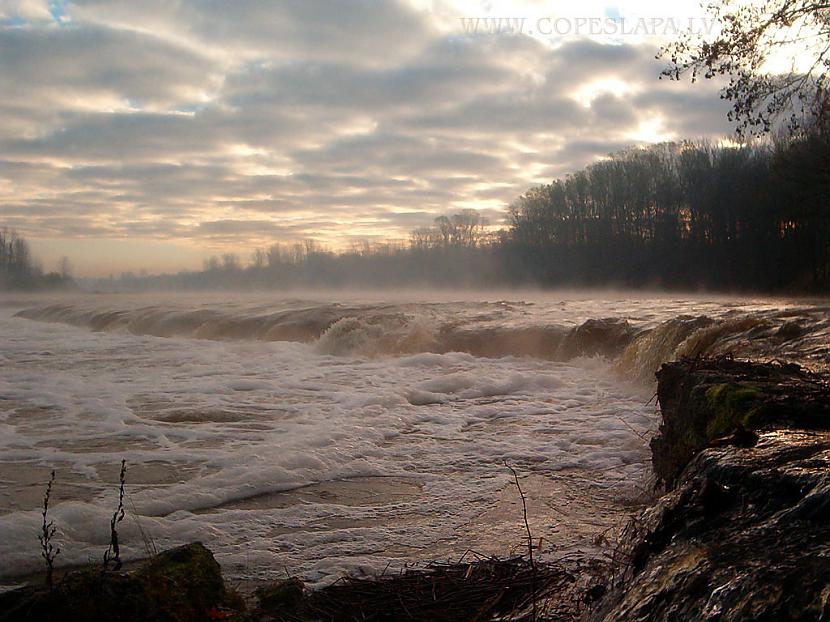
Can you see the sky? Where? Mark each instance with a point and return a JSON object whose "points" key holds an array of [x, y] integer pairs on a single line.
{"points": [[151, 134]]}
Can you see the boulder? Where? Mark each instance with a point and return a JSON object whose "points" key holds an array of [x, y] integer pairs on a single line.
{"points": [[744, 536], [743, 533], [705, 400], [179, 585]]}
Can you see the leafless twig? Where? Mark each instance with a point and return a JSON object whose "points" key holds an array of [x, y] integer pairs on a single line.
{"points": [[47, 533], [529, 539], [113, 552]]}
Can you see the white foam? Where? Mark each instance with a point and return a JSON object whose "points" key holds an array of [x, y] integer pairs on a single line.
{"points": [[203, 422]]}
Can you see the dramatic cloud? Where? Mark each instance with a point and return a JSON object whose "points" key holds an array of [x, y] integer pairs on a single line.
{"points": [[215, 124]]}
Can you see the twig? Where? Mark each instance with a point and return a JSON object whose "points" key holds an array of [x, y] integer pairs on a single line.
{"points": [[529, 540], [113, 553], [47, 532], [642, 436], [149, 543]]}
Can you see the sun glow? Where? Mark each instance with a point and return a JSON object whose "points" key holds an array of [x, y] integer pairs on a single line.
{"points": [[587, 93], [651, 131]]}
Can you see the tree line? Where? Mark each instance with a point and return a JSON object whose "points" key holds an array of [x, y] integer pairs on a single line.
{"points": [[456, 250], [680, 215], [19, 270], [684, 215]]}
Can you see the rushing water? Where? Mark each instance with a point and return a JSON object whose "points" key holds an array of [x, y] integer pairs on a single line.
{"points": [[327, 433]]}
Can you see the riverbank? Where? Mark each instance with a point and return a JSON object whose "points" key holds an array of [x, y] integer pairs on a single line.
{"points": [[743, 533]]}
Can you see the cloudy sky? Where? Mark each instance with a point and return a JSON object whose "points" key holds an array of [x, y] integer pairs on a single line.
{"points": [[150, 134]]}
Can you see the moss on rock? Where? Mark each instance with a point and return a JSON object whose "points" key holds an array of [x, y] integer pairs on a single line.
{"points": [[732, 405], [702, 400], [180, 585]]}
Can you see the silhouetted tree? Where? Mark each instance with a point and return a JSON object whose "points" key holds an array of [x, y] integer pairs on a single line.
{"points": [[258, 258], [65, 268], [751, 35], [677, 215], [20, 270]]}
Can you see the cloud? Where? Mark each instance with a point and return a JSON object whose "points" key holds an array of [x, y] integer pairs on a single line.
{"points": [[13, 11], [69, 68], [218, 123], [356, 31]]}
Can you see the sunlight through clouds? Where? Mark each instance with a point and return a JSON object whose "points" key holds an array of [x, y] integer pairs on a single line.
{"points": [[328, 120]]}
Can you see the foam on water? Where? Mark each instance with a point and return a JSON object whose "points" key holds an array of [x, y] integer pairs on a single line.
{"points": [[220, 408]]}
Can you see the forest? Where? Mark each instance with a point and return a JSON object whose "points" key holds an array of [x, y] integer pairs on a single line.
{"points": [[19, 270], [680, 215], [753, 217]]}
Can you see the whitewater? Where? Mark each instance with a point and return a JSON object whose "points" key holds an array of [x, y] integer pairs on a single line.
{"points": [[326, 433]]}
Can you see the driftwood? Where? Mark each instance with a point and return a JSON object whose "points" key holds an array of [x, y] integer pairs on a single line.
{"points": [[480, 589]]}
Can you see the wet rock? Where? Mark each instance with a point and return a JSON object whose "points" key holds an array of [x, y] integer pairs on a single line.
{"points": [[180, 585], [744, 536], [281, 597], [606, 337], [790, 330], [744, 532], [704, 400]]}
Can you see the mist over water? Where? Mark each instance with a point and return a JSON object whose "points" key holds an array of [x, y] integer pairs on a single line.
{"points": [[327, 432]]}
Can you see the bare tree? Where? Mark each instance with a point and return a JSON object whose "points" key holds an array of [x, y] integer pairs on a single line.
{"points": [[258, 258], [444, 229], [361, 247], [274, 255], [65, 268], [423, 238], [230, 261], [751, 35], [467, 228], [311, 246]]}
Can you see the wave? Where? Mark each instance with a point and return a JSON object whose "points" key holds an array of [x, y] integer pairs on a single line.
{"points": [[303, 325], [366, 330], [644, 355], [373, 330], [377, 335]]}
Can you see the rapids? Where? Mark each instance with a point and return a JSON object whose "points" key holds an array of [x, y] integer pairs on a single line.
{"points": [[329, 433]]}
